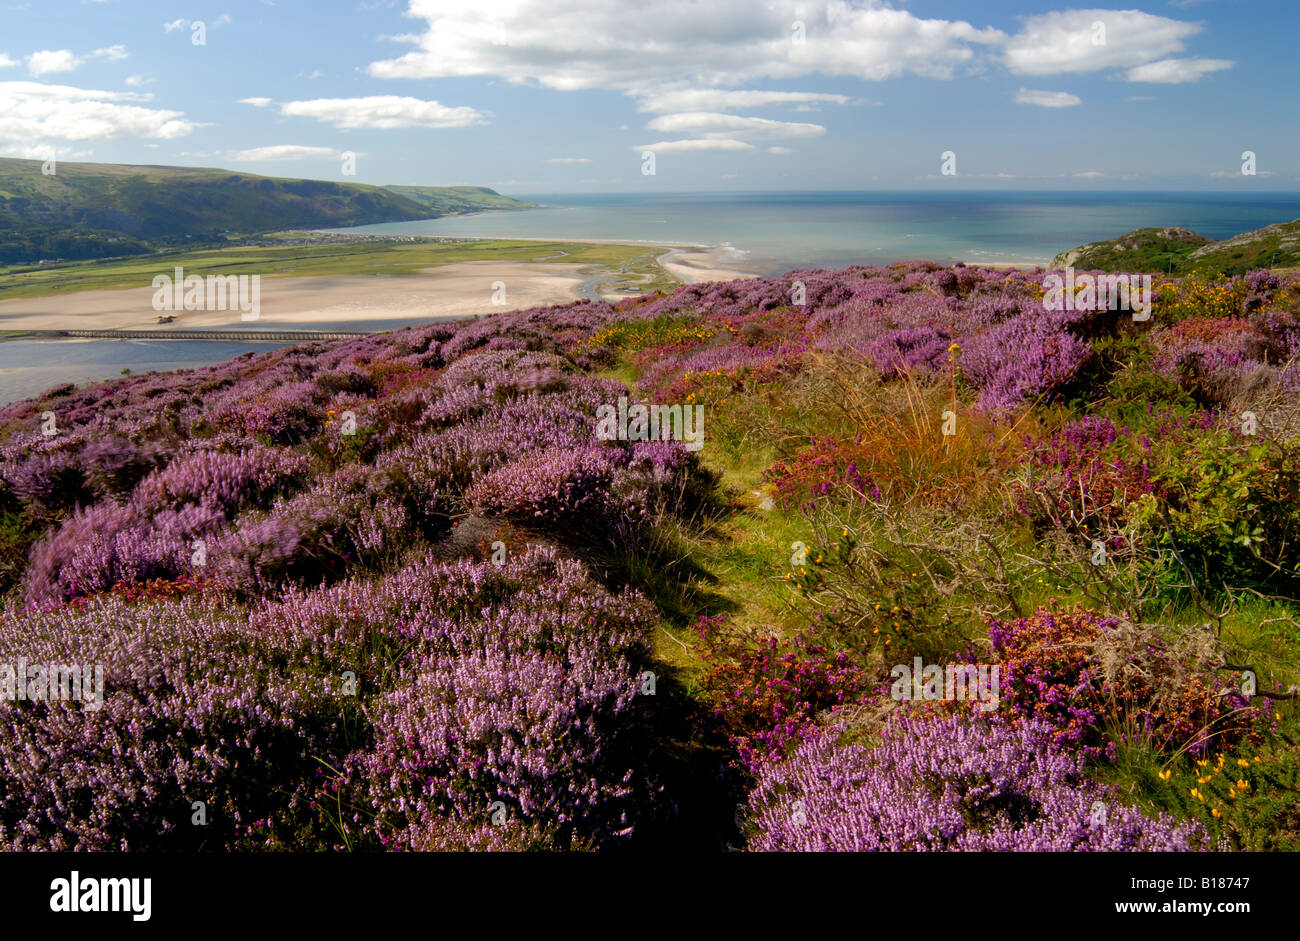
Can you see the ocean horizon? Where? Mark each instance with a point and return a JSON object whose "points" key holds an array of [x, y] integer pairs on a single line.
{"points": [[769, 233]]}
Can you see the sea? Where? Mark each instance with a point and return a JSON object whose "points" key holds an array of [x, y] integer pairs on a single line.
{"points": [[772, 233], [763, 233]]}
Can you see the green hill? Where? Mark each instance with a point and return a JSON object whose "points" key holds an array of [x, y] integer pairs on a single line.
{"points": [[93, 210], [1141, 250], [449, 199], [1182, 251], [1274, 246]]}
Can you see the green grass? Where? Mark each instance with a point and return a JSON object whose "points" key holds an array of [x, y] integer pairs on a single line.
{"points": [[734, 562]]}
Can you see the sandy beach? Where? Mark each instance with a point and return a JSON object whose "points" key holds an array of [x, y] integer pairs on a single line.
{"points": [[457, 289], [698, 264], [1003, 265], [454, 290]]}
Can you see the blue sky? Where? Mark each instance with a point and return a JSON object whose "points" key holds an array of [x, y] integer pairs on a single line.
{"points": [[544, 96]]}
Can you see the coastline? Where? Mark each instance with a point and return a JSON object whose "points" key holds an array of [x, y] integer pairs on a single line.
{"points": [[455, 290], [1005, 265], [451, 290], [448, 291], [693, 264]]}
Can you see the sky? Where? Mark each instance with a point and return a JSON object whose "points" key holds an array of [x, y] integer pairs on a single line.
{"points": [[569, 96]]}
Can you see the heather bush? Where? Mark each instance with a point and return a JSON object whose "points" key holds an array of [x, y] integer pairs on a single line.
{"points": [[937, 784], [541, 736], [62, 472], [1096, 681], [514, 683], [351, 517], [194, 708], [226, 482], [768, 690], [110, 543]]}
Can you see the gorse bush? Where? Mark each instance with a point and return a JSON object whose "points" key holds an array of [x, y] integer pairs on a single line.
{"points": [[1096, 681]]}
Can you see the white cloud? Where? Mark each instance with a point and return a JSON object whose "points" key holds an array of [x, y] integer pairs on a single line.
{"points": [[1053, 43], [42, 152], [255, 102], [314, 73], [708, 124], [136, 81], [32, 111], [717, 99], [569, 160], [699, 58], [780, 151], [282, 152], [1047, 99], [1177, 71], [6, 62], [720, 43], [175, 25], [64, 60], [1090, 175], [46, 61], [676, 146], [222, 20], [383, 111]]}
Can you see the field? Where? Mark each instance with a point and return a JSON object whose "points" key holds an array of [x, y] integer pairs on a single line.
{"points": [[397, 593]]}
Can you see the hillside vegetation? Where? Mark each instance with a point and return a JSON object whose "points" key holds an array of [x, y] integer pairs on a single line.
{"points": [[1182, 251], [90, 210], [398, 593]]}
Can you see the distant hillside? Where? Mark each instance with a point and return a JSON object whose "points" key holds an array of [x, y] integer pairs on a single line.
{"points": [[93, 210], [1140, 250], [1182, 251], [449, 199], [1274, 246]]}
